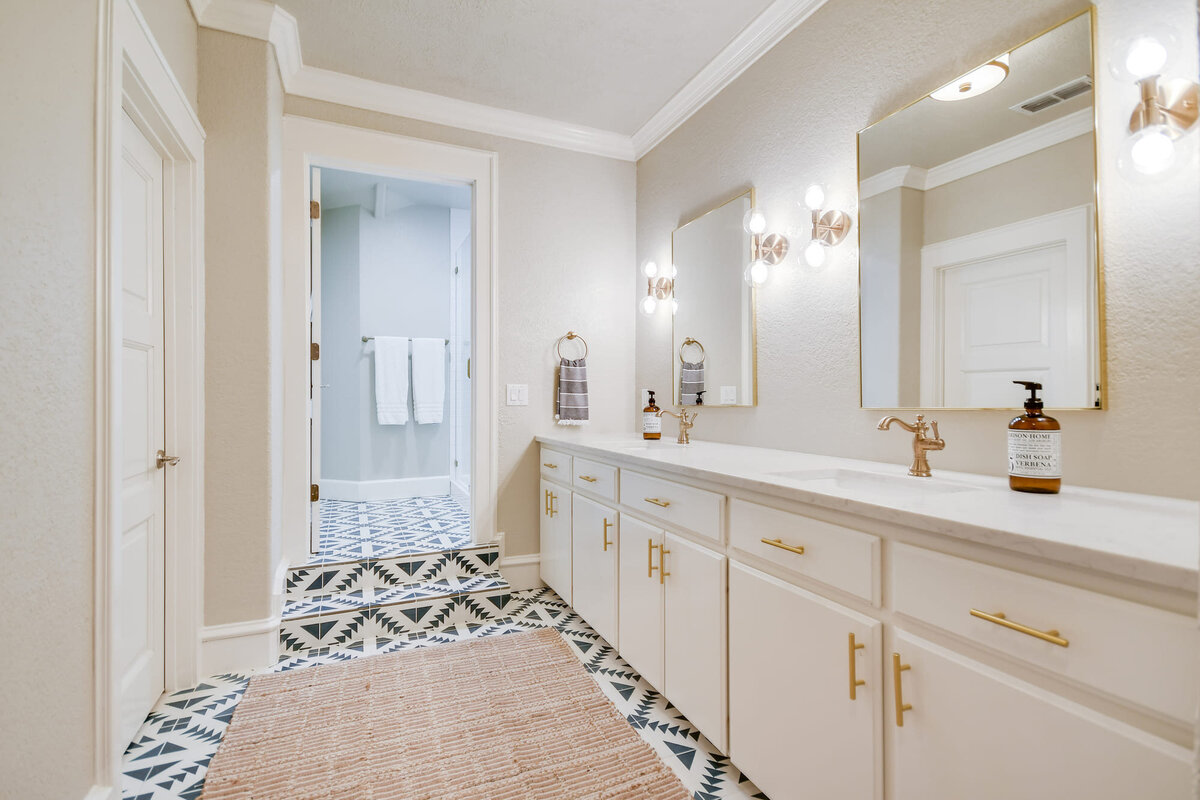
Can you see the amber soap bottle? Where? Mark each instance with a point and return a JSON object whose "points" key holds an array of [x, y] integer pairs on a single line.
{"points": [[1034, 448], [651, 421]]}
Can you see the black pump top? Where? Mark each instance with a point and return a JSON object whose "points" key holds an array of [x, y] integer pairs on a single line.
{"points": [[651, 393], [1033, 402]]}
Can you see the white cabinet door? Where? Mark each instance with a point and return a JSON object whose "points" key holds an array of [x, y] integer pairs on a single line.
{"points": [[594, 565], [694, 634], [976, 732], [640, 599], [800, 726], [556, 538]]}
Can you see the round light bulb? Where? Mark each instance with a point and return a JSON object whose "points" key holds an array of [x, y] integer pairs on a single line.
{"points": [[650, 269], [1149, 152], [814, 197], [754, 221], [1146, 56], [757, 273], [1148, 51], [814, 254], [648, 305]]}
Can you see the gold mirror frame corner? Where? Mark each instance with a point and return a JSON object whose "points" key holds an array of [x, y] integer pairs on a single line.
{"points": [[1101, 305]]}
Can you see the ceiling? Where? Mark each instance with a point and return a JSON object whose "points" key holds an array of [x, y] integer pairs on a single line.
{"points": [[608, 65], [340, 188], [931, 132]]}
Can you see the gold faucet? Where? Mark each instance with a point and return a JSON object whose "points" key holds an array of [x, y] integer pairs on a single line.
{"points": [[686, 422], [921, 443]]}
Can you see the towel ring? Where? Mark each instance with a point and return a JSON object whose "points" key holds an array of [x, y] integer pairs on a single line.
{"points": [[686, 342], [570, 335]]}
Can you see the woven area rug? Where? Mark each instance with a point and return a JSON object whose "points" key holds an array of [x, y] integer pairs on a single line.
{"points": [[511, 717]]}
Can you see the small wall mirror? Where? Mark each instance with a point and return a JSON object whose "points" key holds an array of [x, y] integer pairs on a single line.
{"points": [[714, 326], [978, 236]]}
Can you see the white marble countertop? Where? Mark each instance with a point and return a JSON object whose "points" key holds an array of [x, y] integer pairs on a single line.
{"points": [[1143, 537]]}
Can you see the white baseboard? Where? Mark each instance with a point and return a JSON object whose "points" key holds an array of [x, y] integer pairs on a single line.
{"points": [[460, 493], [239, 646], [358, 491], [522, 572]]}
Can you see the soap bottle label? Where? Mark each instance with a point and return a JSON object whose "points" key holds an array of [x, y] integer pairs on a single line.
{"points": [[651, 423], [1035, 454]]}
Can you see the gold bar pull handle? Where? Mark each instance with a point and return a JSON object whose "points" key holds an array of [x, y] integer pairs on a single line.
{"points": [[547, 508], [662, 564], [607, 525], [548, 465], [588, 478], [553, 508], [798, 549], [650, 545], [854, 681], [656, 501], [901, 706], [998, 618]]}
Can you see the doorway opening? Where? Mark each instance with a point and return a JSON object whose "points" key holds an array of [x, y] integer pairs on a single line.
{"points": [[390, 321]]}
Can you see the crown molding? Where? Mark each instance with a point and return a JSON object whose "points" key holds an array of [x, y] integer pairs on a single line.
{"points": [[1010, 149], [767, 30]]}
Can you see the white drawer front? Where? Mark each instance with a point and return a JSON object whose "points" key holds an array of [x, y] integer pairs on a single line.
{"points": [[1143, 654], [556, 466], [592, 476], [835, 555], [675, 504]]}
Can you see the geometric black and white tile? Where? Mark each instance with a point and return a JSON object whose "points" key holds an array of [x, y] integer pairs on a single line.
{"points": [[170, 754], [354, 530]]}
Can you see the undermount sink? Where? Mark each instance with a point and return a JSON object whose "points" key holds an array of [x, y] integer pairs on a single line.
{"points": [[861, 482]]}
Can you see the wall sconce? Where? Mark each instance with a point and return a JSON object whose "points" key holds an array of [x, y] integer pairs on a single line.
{"points": [[1168, 107], [658, 287], [767, 250], [829, 227]]}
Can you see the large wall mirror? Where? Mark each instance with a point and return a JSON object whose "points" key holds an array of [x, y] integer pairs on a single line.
{"points": [[714, 327], [979, 262]]}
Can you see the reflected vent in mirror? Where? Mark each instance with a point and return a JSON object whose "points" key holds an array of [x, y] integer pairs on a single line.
{"points": [[1055, 96]]}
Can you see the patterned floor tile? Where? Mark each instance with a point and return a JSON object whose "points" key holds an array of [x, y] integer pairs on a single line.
{"points": [[357, 530], [169, 757]]}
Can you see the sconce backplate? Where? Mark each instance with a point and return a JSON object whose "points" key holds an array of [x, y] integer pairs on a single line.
{"points": [[661, 288], [773, 248], [831, 228], [1176, 103]]}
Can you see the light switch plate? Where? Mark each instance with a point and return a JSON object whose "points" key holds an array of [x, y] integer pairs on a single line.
{"points": [[728, 395], [518, 394]]}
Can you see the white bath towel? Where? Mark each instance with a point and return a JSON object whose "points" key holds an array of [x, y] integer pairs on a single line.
{"points": [[391, 380], [429, 380]]}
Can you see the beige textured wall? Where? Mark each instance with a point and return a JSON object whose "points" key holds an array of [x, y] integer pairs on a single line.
{"points": [[174, 28], [46, 399], [791, 119], [566, 243], [241, 110]]}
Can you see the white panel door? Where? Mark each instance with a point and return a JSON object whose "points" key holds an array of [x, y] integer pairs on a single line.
{"points": [[140, 570], [694, 635], [594, 565], [800, 724], [314, 376], [976, 732], [640, 599], [462, 354], [556, 538]]}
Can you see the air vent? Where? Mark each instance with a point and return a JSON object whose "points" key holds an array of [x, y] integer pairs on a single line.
{"points": [[1055, 96]]}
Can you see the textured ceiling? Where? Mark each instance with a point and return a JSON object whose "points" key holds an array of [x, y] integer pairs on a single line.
{"points": [[607, 65]]}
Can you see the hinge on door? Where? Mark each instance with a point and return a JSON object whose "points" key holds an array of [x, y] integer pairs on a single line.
{"points": [[314, 492], [314, 210], [314, 351]]}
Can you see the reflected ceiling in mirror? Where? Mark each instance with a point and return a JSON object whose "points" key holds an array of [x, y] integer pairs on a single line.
{"points": [[713, 345], [978, 236]]}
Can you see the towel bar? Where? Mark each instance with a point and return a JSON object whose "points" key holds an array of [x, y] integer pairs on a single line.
{"points": [[369, 338]]}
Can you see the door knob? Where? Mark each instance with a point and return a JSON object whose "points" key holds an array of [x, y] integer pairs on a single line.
{"points": [[162, 460]]}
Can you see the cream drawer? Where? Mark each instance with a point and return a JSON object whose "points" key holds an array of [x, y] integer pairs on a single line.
{"points": [[832, 554], [556, 465], [1142, 654], [677, 505], [592, 476]]}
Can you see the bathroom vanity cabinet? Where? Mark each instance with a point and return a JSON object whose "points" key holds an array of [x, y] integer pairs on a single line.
{"points": [[838, 635]]}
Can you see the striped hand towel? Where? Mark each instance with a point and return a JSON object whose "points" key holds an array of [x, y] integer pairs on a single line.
{"points": [[571, 395], [691, 382]]}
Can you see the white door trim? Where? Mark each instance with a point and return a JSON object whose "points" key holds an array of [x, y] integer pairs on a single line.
{"points": [[309, 142], [133, 77]]}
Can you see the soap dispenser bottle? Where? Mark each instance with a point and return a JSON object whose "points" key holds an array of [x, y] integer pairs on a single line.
{"points": [[651, 421], [1034, 448]]}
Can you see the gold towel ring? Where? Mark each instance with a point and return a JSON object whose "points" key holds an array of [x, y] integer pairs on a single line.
{"points": [[570, 335], [686, 342]]}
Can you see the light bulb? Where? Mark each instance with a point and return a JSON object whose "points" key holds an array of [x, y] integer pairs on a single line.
{"points": [[814, 254], [754, 221], [1149, 152], [1142, 54], [814, 197], [648, 305], [650, 269], [757, 273]]}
